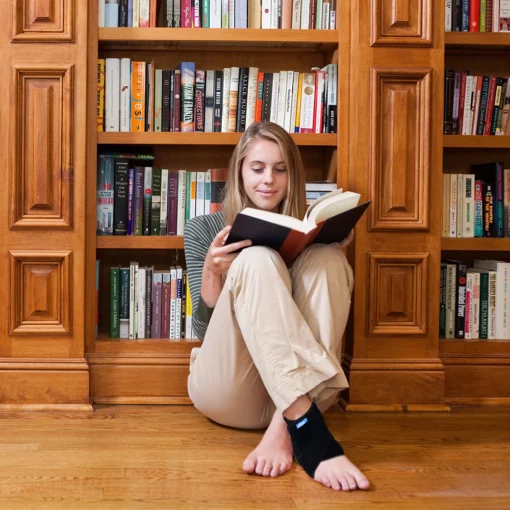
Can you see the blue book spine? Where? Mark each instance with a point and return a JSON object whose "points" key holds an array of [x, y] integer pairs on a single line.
{"points": [[111, 18]]}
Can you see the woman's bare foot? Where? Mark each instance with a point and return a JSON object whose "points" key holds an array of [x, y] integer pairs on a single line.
{"points": [[340, 473], [273, 455]]}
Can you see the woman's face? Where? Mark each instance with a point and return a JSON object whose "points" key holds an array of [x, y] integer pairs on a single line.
{"points": [[265, 177]]}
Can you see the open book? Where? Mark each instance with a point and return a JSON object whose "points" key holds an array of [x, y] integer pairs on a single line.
{"points": [[329, 219]]}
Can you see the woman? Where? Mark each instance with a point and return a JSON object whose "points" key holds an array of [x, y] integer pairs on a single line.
{"points": [[271, 335]]}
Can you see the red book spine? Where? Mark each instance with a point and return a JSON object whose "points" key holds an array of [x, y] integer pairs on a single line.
{"points": [[474, 15]]}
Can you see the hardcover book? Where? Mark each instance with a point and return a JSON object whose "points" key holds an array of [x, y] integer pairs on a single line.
{"points": [[328, 220]]}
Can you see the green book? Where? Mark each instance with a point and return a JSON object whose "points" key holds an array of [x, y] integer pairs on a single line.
{"points": [[114, 302]]}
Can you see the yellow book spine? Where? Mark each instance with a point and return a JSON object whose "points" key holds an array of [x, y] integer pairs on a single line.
{"points": [[100, 94], [189, 310], [298, 106], [138, 97]]}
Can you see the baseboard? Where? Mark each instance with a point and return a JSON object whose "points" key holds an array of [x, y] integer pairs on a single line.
{"points": [[37, 385]]}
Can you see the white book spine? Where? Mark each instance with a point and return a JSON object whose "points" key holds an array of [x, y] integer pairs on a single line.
{"points": [[466, 124], [475, 300], [492, 306], [282, 92], [125, 95], [296, 14], [163, 224], [305, 14], [326, 16], [319, 97], [231, 14], [181, 203], [225, 100], [207, 192], [460, 204], [141, 302], [288, 101], [101, 13], [112, 94], [468, 220], [274, 13], [445, 217], [252, 95], [136, 13], [209, 101], [266, 13], [448, 16], [193, 196], [200, 200], [453, 205], [225, 14], [294, 102], [215, 14], [307, 103], [274, 98], [132, 299], [144, 13]]}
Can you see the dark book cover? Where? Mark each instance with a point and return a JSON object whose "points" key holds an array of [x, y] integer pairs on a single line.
{"points": [[165, 102], [448, 101], [131, 201], [199, 101], [266, 97], [218, 101], [177, 100], [460, 298], [242, 101], [148, 302], [172, 102], [491, 175], [173, 190], [156, 202], [147, 201], [120, 203], [289, 243], [114, 302], [138, 202]]}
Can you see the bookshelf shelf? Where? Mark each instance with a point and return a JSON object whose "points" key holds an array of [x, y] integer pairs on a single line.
{"points": [[105, 345], [475, 244], [140, 242], [319, 40], [487, 40], [323, 140], [474, 347], [476, 142]]}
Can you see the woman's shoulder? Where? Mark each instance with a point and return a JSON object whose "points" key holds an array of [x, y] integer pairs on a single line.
{"points": [[207, 223]]}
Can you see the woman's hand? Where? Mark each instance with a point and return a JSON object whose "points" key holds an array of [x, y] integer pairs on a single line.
{"points": [[220, 256], [346, 242]]}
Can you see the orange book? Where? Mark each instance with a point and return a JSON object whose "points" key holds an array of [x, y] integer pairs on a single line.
{"points": [[138, 97], [218, 180], [260, 95]]}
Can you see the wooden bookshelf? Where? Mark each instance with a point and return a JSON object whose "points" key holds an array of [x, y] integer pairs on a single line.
{"points": [[476, 142], [476, 41], [140, 242], [311, 140], [475, 244], [448, 346], [104, 344], [318, 40]]}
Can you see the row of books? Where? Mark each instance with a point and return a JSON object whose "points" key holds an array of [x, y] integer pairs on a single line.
{"points": [[144, 200], [477, 15], [135, 96], [295, 14], [477, 204], [150, 303], [476, 105], [474, 302]]}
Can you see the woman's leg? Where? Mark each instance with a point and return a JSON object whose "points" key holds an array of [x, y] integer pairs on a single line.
{"points": [[258, 348], [322, 283]]}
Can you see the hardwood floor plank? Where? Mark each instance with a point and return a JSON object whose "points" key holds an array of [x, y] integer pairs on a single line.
{"points": [[151, 457]]}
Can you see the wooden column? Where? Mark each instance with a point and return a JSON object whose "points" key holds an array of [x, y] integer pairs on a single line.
{"points": [[42, 197], [394, 142]]}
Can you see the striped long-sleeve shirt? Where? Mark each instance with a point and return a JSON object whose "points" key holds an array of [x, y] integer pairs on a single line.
{"points": [[199, 233]]}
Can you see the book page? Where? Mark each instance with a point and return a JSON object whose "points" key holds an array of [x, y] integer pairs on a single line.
{"points": [[330, 205], [278, 219]]}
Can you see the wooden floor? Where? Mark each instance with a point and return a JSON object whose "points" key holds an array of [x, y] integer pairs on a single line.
{"points": [[151, 457]]}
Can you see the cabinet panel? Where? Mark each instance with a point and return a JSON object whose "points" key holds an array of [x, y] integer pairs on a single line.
{"points": [[41, 293], [397, 293], [42, 20], [399, 157], [401, 23], [42, 166]]}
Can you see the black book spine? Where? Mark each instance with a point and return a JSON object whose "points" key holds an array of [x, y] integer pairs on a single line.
{"points": [[172, 101], [123, 13], [460, 317], [218, 100], [165, 114], [488, 210], [484, 95], [266, 98], [120, 203], [199, 101], [242, 102], [448, 101]]}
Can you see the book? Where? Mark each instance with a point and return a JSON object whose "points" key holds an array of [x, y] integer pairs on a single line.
{"points": [[328, 219]]}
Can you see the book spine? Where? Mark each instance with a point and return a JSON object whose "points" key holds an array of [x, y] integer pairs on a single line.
{"points": [[120, 204], [124, 302], [156, 202], [125, 94], [100, 94], [138, 203], [147, 201], [187, 71], [114, 302], [105, 196]]}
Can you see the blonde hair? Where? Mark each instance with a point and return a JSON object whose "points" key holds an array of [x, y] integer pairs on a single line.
{"points": [[294, 204]]}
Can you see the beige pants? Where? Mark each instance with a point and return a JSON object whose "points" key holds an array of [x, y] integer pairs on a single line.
{"points": [[275, 335]]}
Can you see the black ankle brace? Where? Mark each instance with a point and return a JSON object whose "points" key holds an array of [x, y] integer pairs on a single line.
{"points": [[311, 440]]}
